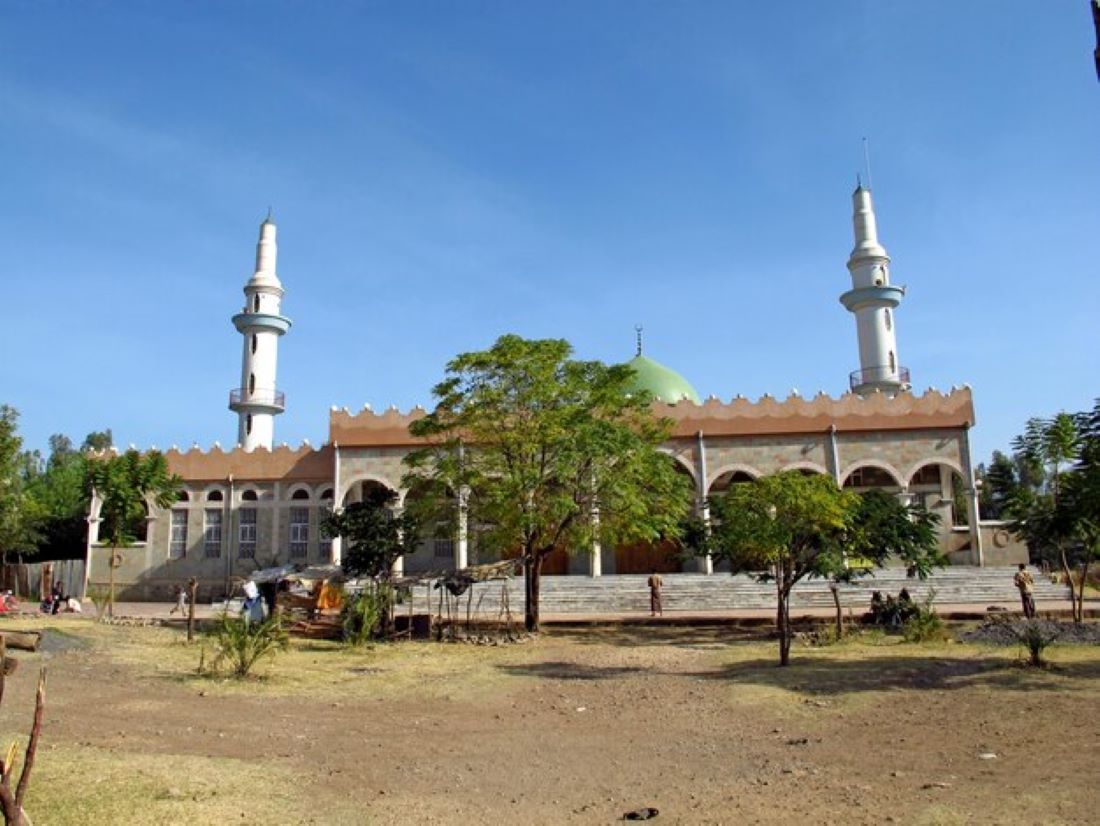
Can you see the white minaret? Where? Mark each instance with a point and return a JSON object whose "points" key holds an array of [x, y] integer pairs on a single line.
{"points": [[257, 401], [873, 300]]}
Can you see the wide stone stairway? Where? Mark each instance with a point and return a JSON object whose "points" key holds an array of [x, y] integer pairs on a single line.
{"points": [[720, 592]]}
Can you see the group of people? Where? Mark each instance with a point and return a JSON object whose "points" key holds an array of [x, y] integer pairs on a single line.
{"points": [[57, 601]]}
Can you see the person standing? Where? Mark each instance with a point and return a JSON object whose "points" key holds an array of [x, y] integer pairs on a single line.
{"points": [[1025, 582], [655, 582]]}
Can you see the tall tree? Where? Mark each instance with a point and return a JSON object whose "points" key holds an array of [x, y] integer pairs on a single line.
{"points": [[126, 484], [60, 489], [1047, 503], [19, 515], [537, 444], [789, 526]]}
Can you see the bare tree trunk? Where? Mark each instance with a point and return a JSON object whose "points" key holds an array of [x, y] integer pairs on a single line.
{"points": [[11, 803], [839, 616], [532, 571], [783, 617], [1079, 603]]}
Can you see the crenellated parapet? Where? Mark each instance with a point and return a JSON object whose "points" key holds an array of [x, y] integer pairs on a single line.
{"points": [[367, 428], [304, 462], [795, 414]]}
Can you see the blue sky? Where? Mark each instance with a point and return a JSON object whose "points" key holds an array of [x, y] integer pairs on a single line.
{"points": [[444, 172]]}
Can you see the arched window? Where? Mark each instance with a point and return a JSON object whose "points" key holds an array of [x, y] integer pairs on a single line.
{"points": [[248, 424], [182, 496], [256, 304], [254, 339], [301, 493], [251, 383], [893, 362], [889, 323], [326, 493], [249, 496], [214, 496]]}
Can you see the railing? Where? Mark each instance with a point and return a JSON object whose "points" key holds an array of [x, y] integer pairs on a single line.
{"points": [[268, 398], [883, 374]]}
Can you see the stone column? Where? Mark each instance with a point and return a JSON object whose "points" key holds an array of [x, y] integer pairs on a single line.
{"points": [[595, 560], [461, 543], [976, 551], [706, 563]]}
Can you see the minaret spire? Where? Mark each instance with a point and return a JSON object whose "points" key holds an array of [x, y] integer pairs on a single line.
{"points": [[873, 300], [256, 401], [638, 334]]}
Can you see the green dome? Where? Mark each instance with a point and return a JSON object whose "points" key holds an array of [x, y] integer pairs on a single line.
{"points": [[662, 383]]}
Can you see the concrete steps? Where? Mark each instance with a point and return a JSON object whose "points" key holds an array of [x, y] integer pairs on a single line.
{"points": [[629, 593]]}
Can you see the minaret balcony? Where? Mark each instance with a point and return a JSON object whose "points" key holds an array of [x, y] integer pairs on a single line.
{"points": [[260, 400], [261, 322], [885, 295], [882, 378]]}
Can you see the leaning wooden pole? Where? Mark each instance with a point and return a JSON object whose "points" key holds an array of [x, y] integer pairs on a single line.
{"points": [[11, 803]]}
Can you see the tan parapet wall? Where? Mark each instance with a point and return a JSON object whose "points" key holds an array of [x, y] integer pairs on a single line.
{"points": [[737, 417], [303, 463], [875, 412], [369, 429]]}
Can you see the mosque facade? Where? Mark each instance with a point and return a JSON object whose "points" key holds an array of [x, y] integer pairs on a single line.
{"points": [[258, 505]]}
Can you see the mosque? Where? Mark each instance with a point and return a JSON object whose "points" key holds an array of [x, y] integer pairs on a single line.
{"points": [[258, 505]]}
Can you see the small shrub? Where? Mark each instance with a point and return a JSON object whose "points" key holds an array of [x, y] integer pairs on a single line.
{"points": [[362, 615], [240, 644], [925, 625], [1033, 634], [100, 595]]}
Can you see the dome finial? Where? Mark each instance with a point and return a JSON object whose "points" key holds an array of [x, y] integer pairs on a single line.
{"points": [[270, 218], [638, 333]]}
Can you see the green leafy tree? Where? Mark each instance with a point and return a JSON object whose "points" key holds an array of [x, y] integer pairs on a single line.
{"points": [[1048, 501], [538, 444], [125, 484], [375, 537], [790, 526], [19, 515], [61, 490]]}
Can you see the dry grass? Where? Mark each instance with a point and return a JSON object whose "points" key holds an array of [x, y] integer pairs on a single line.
{"points": [[135, 789]]}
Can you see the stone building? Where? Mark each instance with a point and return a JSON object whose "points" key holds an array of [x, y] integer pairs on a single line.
{"points": [[257, 505]]}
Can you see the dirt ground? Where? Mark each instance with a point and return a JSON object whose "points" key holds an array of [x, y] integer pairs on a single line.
{"points": [[578, 726]]}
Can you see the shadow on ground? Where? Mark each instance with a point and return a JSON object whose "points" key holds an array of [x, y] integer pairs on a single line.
{"points": [[835, 677], [569, 671], [645, 635]]}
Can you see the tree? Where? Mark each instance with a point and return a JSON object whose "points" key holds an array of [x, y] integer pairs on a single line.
{"points": [[125, 485], [1050, 502], [789, 526], [60, 489], [19, 516], [547, 453], [376, 537]]}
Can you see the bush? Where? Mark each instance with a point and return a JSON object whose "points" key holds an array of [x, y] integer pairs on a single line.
{"points": [[1034, 634], [363, 613], [100, 596], [240, 644], [924, 625]]}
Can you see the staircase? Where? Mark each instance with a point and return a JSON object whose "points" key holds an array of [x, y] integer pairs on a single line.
{"points": [[699, 593]]}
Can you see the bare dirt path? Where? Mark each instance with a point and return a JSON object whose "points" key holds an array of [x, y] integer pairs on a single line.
{"points": [[577, 727]]}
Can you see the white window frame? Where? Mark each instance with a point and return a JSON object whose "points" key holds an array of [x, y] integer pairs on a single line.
{"points": [[177, 544], [212, 532]]}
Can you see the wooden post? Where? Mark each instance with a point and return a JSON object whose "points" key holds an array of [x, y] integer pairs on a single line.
{"points": [[192, 592]]}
